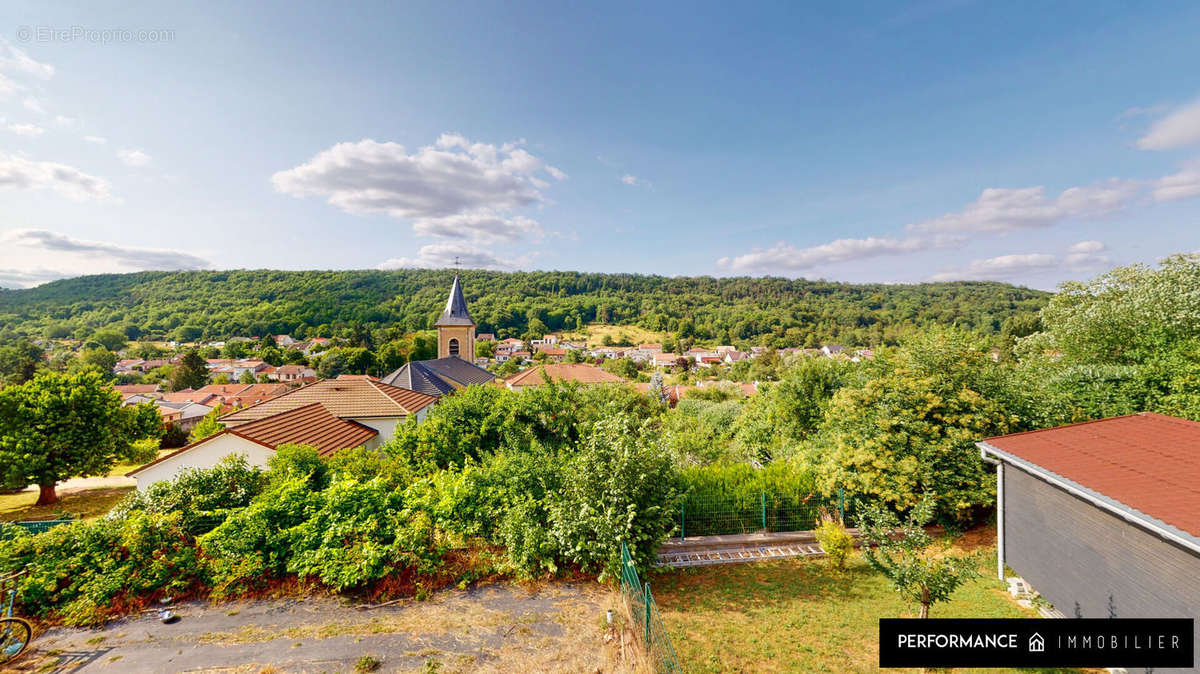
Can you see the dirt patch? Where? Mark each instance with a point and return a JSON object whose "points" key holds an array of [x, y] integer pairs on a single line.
{"points": [[490, 628]]}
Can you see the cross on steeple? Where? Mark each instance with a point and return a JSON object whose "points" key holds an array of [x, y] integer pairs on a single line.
{"points": [[457, 266]]}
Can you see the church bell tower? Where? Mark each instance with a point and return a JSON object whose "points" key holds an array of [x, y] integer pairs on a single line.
{"points": [[456, 329]]}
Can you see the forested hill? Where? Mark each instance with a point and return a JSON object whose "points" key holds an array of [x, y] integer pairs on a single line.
{"points": [[216, 304]]}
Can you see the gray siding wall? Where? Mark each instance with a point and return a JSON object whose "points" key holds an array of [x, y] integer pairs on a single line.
{"points": [[1080, 557]]}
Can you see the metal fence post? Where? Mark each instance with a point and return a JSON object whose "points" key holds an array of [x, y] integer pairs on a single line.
{"points": [[682, 519], [646, 601], [764, 510], [842, 506]]}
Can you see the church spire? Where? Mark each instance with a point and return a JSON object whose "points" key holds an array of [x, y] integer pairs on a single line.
{"points": [[456, 308]]}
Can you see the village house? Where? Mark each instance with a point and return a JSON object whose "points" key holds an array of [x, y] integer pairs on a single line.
{"points": [[147, 390], [170, 413], [357, 398], [607, 352], [664, 359], [316, 345], [284, 341], [581, 373], [293, 373], [831, 350], [485, 337], [308, 424], [553, 354]]}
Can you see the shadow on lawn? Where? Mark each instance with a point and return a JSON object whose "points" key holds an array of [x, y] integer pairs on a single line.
{"points": [[758, 585]]}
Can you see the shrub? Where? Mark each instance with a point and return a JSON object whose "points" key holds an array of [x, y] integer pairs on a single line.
{"points": [[836, 542], [361, 532], [86, 570], [302, 461], [201, 496], [253, 544], [620, 486]]}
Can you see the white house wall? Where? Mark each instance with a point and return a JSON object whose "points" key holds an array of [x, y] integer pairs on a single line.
{"points": [[204, 455], [386, 427]]}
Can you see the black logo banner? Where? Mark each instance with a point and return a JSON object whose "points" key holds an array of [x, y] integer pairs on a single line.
{"points": [[1036, 642]]}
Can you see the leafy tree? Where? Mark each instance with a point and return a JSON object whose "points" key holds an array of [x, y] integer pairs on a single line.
{"points": [[99, 358], [190, 372], [618, 487], [1123, 316], [207, 426], [113, 339], [901, 436], [917, 570], [19, 361], [235, 349], [345, 360], [657, 390], [247, 377], [622, 367], [57, 426]]}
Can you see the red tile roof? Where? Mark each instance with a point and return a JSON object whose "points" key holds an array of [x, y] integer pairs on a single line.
{"points": [[132, 389], [578, 372], [346, 396], [308, 425], [1148, 462]]}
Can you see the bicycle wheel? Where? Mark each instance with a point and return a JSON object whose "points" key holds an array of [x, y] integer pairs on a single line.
{"points": [[15, 634]]}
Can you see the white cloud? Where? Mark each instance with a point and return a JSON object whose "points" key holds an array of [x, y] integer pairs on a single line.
{"points": [[32, 256], [65, 122], [25, 278], [7, 86], [1005, 210], [634, 181], [23, 174], [33, 105], [133, 157], [96, 140], [448, 188], [27, 130], [14, 59], [1081, 256], [1179, 129], [1142, 111], [1086, 255], [483, 226], [786, 258], [1181, 185], [443, 255]]}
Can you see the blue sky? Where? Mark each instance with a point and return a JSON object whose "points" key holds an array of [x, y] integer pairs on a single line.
{"points": [[875, 142]]}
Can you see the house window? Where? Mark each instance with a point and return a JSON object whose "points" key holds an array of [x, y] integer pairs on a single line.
{"points": [[453, 347]]}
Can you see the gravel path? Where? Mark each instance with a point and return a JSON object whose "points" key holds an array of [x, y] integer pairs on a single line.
{"points": [[501, 628]]}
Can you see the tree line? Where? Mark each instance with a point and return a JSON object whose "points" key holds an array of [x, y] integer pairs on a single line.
{"points": [[378, 306]]}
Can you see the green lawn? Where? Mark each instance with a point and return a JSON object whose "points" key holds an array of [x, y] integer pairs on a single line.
{"points": [[81, 503], [797, 616]]}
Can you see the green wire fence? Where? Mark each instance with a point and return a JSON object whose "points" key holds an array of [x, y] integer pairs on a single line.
{"points": [[745, 513], [644, 613]]}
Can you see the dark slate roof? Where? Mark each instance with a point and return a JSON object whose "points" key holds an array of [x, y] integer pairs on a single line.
{"points": [[438, 377], [455, 312]]}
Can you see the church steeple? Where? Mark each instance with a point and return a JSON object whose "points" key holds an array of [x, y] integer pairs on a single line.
{"points": [[456, 308], [456, 328]]}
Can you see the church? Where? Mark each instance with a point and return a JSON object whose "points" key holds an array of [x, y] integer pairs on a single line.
{"points": [[455, 365]]}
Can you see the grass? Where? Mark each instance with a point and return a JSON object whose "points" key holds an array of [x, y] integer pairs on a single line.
{"points": [[797, 615], [83, 503], [594, 334]]}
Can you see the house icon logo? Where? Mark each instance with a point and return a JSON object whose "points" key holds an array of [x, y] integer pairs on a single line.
{"points": [[1036, 643]]}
